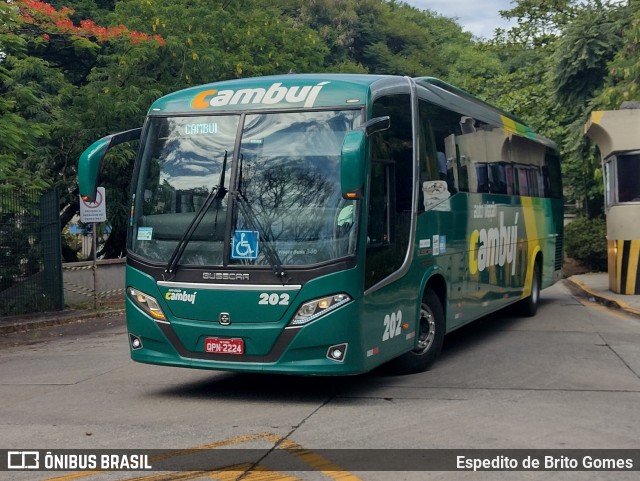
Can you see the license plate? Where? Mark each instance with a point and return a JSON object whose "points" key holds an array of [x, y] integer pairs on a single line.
{"points": [[219, 345]]}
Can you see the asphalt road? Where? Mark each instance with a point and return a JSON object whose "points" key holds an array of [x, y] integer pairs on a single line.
{"points": [[568, 378]]}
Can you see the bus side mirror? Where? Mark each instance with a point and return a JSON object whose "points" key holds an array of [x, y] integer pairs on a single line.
{"points": [[90, 162], [376, 125], [353, 157], [352, 164]]}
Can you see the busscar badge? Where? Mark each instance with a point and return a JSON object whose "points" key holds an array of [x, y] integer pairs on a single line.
{"points": [[225, 319]]}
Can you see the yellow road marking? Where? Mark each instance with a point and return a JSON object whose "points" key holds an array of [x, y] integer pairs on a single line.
{"points": [[317, 462], [175, 453], [182, 476], [258, 473], [69, 477]]}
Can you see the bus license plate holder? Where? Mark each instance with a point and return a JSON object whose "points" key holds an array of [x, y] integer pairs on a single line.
{"points": [[222, 345]]}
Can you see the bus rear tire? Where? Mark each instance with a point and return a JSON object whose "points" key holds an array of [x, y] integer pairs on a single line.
{"points": [[529, 306], [430, 337]]}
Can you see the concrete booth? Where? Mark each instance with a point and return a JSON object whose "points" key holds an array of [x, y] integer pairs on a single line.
{"points": [[617, 135]]}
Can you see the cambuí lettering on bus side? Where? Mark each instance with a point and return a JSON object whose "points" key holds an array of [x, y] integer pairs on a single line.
{"points": [[495, 246]]}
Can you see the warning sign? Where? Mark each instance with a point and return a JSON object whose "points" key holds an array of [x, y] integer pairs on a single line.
{"points": [[94, 211]]}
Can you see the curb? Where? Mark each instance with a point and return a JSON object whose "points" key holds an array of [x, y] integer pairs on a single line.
{"points": [[54, 319], [601, 298]]}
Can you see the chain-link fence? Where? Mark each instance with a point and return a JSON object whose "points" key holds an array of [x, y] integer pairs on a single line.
{"points": [[30, 254]]}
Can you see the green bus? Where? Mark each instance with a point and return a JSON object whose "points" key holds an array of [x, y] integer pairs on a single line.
{"points": [[326, 224]]}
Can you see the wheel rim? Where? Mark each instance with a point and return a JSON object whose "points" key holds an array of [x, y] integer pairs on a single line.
{"points": [[427, 330]]}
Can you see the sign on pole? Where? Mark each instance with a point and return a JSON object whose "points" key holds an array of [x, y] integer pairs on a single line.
{"points": [[94, 211]]}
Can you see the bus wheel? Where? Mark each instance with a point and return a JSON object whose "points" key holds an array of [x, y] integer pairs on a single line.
{"points": [[529, 306], [430, 337]]}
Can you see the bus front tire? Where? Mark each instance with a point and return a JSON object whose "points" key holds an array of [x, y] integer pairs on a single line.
{"points": [[430, 337]]}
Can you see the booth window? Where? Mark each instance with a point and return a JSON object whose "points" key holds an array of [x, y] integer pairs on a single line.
{"points": [[623, 178]]}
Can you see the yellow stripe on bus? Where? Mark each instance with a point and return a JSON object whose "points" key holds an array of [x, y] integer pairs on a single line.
{"points": [[509, 125], [533, 241]]}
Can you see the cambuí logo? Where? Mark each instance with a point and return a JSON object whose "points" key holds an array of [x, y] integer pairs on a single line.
{"points": [[179, 295], [493, 247], [275, 94]]}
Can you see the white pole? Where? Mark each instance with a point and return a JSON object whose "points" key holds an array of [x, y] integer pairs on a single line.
{"points": [[95, 258]]}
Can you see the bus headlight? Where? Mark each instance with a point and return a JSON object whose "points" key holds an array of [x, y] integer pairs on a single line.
{"points": [[147, 303], [310, 311]]}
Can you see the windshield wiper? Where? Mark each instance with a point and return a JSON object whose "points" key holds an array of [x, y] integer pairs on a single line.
{"points": [[247, 212], [217, 193]]}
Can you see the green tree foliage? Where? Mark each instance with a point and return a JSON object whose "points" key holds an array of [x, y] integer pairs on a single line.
{"points": [[399, 40], [538, 22], [557, 61], [623, 79], [580, 57], [47, 58], [524, 54], [382, 37], [336, 22], [578, 72], [20, 132], [45, 62], [586, 242], [219, 40], [20, 102]]}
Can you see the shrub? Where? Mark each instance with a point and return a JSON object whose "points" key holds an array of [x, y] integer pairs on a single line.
{"points": [[585, 240]]}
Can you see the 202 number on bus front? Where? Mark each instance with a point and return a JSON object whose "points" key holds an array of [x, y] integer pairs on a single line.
{"points": [[274, 299]]}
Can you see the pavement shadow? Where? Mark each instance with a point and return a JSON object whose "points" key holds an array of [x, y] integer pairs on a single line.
{"points": [[484, 328], [267, 387], [274, 388]]}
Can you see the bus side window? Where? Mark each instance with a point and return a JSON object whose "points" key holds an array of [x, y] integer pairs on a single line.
{"points": [[497, 178], [523, 181], [440, 158], [482, 177], [433, 164]]}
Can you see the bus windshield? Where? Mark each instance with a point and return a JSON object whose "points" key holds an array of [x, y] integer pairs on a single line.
{"points": [[284, 206]]}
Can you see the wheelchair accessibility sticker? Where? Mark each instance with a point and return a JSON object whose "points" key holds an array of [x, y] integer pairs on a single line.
{"points": [[245, 244]]}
